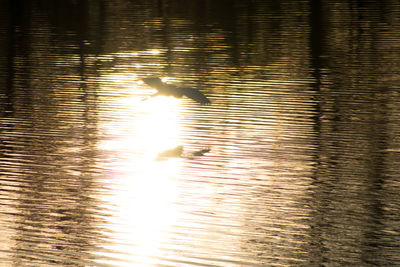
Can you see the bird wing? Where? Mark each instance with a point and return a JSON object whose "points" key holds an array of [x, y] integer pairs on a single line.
{"points": [[154, 82], [195, 94], [163, 88]]}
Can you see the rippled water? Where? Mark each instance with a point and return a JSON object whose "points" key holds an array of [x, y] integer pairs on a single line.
{"points": [[295, 162]]}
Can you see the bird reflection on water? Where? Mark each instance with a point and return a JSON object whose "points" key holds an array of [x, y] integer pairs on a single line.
{"points": [[172, 90], [177, 152], [170, 153]]}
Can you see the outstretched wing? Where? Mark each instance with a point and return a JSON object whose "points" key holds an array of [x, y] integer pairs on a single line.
{"points": [[163, 88], [154, 82], [195, 94]]}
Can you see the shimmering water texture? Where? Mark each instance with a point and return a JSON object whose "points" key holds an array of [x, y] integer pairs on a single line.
{"points": [[294, 162]]}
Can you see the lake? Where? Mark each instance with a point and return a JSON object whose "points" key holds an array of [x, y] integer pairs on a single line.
{"points": [[294, 163]]}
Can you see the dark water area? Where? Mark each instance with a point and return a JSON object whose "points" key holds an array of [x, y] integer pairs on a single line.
{"points": [[295, 162]]}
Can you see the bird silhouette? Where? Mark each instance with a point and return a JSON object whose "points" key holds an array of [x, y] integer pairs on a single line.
{"points": [[172, 90]]}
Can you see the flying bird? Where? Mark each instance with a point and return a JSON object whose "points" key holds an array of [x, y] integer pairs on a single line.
{"points": [[172, 90]]}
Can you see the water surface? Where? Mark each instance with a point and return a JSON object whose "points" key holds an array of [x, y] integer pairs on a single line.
{"points": [[295, 162]]}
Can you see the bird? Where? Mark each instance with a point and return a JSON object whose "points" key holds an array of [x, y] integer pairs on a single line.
{"points": [[178, 92]]}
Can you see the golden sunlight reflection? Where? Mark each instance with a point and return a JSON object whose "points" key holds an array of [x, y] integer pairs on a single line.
{"points": [[142, 189]]}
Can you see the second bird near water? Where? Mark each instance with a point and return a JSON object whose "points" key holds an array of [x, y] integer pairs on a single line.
{"points": [[172, 90]]}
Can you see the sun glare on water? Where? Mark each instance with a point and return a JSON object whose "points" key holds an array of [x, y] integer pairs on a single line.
{"points": [[143, 189]]}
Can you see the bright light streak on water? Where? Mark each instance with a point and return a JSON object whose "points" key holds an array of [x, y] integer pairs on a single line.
{"points": [[143, 190]]}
